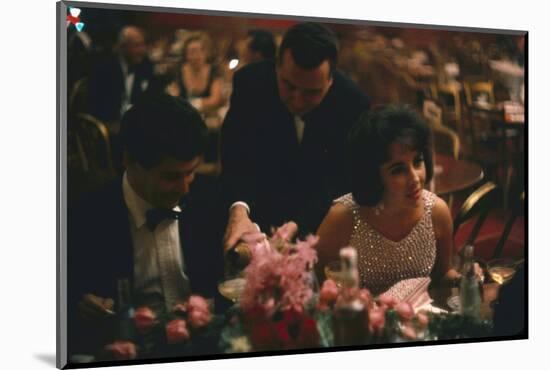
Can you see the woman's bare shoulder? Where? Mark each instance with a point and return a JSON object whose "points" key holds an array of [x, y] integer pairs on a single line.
{"points": [[441, 215]]}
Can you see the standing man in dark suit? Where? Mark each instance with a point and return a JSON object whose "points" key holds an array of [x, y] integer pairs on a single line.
{"points": [[284, 136], [150, 227], [122, 79]]}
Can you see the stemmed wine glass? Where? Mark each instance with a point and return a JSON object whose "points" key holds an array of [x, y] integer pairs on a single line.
{"points": [[232, 287], [502, 270]]}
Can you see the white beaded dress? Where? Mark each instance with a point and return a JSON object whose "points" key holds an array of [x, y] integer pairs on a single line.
{"points": [[383, 262]]}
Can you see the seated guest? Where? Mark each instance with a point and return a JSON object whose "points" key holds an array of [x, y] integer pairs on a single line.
{"points": [[400, 230], [199, 81], [122, 79], [259, 45], [153, 226]]}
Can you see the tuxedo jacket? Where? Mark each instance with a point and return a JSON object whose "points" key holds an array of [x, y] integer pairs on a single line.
{"points": [[100, 250], [264, 164], [106, 87]]}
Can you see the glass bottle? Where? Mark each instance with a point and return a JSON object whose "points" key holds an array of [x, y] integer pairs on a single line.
{"points": [[350, 319], [470, 297], [238, 257], [125, 311]]}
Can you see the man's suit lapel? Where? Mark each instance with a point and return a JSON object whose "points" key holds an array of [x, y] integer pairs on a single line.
{"points": [[117, 227]]}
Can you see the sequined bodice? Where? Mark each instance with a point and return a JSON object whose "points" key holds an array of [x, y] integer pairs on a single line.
{"points": [[383, 262]]}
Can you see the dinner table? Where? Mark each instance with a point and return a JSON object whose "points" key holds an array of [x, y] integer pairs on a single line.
{"points": [[452, 175]]}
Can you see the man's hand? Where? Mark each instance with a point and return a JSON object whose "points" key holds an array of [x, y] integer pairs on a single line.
{"points": [[239, 223], [92, 307]]}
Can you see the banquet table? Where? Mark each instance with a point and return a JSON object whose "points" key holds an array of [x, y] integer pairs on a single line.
{"points": [[452, 175]]}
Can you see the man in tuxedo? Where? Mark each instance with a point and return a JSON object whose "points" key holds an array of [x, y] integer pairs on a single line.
{"points": [[284, 136], [122, 79], [151, 227]]}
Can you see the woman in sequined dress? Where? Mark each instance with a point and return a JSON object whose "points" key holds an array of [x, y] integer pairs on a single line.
{"points": [[400, 230]]}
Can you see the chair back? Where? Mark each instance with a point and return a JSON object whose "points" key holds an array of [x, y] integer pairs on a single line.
{"points": [[479, 203], [446, 141], [479, 91], [95, 144], [517, 209], [78, 97], [449, 96], [432, 112]]}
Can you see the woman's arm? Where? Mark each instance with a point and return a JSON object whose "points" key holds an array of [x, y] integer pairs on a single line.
{"points": [[215, 99], [334, 233], [443, 228]]}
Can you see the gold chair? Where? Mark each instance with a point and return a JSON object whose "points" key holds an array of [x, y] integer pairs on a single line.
{"points": [[449, 96], [479, 94], [478, 204], [446, 141], [78, 97], [94, 142], [432, 112], [479, 91]]}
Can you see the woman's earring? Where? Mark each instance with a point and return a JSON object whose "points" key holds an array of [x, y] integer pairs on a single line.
{"points": [[378, 208]]}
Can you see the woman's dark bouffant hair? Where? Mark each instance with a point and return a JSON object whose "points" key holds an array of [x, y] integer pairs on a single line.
{"points": [[369, 142]]}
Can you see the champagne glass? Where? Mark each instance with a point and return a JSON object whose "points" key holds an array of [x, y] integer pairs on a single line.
{"points": [[232, 287], [502, 270]]}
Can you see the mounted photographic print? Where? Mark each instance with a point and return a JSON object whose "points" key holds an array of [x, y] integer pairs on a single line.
{"points": [[237, 185]]}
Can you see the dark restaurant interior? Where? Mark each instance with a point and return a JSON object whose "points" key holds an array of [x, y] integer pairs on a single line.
{"points": [[467, 87]]}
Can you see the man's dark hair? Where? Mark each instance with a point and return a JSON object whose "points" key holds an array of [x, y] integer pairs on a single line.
{"points": [[369, 142], [262, 42], [161, 126], [310, 44]]}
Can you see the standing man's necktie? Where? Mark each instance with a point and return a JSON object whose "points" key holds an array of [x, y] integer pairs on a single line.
{"points": [[299, 124]]}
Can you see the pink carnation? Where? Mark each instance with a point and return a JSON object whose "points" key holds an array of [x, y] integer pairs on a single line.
{"points": [[198, 318], [329, 291], [404, 310], [197, 303], [176, 331], [366, 297], [122, 350], [144, 318], [423, 319], [377, 319], [387, 300]]}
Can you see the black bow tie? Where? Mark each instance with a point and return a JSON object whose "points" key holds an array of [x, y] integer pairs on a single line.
{"points": [[155, 216]]}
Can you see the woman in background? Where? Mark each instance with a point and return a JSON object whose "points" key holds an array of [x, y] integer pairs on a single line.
{"points": [[199, 81]]}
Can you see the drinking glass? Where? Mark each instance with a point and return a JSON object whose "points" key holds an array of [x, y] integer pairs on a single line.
{"points": [[232, 287], [502, 270]]}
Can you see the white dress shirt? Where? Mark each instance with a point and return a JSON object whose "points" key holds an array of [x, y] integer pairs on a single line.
{"points": [[158, 262], [299, 124], [128, 86]]}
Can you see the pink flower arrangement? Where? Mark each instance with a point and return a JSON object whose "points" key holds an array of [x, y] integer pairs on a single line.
{"points": [[277, 278], [276, 291]]}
